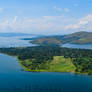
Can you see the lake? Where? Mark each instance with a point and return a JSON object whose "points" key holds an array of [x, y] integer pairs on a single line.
{"points": [[81, 46], [14, 79], [14, 42]]}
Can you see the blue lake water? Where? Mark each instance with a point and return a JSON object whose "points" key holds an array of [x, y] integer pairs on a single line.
{"points": [[81, 46], [14, 42], [14, 79]]}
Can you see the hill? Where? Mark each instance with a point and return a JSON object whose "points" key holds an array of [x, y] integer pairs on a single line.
{"points": [[80, 37], [48, 40], [76, 38]]}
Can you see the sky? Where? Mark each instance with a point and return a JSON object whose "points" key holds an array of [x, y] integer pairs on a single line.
{"points": [[45, 16]]}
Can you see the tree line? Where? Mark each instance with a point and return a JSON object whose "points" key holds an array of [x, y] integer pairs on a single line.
{"points": [[81, 58]]}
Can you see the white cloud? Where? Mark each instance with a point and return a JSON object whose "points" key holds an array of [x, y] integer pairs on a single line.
{"points": [[58, 9], [46, 24], [76, 26], [82, 24], [1, 9], [61, 9], [15, 19], [66, 9], [4, 24]]}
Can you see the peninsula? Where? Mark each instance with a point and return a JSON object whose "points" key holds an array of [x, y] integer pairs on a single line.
{"points": [[52, 59]]}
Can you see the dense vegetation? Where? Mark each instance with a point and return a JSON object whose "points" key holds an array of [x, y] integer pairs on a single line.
{"points": [[52, 58], [78, 38]]}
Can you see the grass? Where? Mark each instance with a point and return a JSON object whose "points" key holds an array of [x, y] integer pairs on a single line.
{"points": [[61, 64], [58, 64]]}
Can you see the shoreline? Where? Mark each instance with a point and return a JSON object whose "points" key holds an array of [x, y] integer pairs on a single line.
{"points": [[60, 61], [25, 69]]}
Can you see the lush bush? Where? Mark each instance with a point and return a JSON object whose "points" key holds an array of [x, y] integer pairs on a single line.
{"points": [[33, 57]]}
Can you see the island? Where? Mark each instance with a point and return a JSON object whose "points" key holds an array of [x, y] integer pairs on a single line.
{"points": [[52, 59]]}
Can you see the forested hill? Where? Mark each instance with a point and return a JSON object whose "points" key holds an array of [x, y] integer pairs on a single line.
{"points": [[53, 59], [77, 38]]}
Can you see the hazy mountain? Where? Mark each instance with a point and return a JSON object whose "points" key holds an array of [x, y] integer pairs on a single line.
{"points": [[78, 38]]}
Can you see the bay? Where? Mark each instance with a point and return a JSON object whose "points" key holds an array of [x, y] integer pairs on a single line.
{"points": [[14, 79]]}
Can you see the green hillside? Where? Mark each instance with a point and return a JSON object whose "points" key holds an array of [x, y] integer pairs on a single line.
{"points": [[80, 37], [77, 38]]}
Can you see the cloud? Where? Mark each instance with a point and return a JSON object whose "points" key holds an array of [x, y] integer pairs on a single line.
{"points": [[82, 24], [3, 24], [58, 9], [61, 9], [15, 19], [1, 9], [46, 24], [66, 9]]}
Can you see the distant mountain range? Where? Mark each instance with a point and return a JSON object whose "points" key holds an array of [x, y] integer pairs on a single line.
{"points": [[14, 34], [75, 38]]}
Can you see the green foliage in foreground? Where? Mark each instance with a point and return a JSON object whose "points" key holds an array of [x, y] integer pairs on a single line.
{"points": [[52, 58], [58, 64]]}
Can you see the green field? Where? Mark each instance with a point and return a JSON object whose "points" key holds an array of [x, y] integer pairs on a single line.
{"points": [[58, 64], [61, 64]]}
